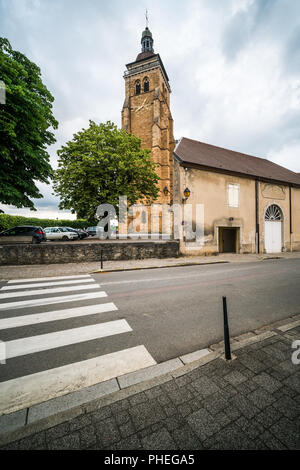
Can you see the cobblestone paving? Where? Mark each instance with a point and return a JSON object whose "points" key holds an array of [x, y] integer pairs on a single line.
{"points": [[253, 402]]}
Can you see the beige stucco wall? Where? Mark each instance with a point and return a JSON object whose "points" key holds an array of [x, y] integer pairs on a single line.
{"points": [[211, 189]]}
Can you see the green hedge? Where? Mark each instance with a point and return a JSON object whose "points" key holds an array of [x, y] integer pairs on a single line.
{"points": [[8, 221]]}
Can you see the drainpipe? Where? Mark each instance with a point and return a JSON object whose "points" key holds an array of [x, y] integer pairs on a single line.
{"points": [[256, 216], [291, 222]]}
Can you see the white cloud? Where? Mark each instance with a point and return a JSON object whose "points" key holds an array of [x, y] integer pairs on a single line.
{"points": [[288, 156], [42, 213]]}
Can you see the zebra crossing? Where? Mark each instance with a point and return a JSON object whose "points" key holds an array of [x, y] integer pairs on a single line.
{"points": [[43, 330]]}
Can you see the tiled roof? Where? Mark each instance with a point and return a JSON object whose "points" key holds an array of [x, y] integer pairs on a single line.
{"points": [[194, 153]]}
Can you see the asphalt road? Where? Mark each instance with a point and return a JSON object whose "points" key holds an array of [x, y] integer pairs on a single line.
{"points": [[171, 311], [174, 311]]}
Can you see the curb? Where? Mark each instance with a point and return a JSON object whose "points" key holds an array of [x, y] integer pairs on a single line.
{"points": [[63, 408], [138, 268]]}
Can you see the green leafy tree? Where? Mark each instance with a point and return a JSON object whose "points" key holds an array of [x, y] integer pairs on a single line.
{"points": [[100, 164], [25, 119]]}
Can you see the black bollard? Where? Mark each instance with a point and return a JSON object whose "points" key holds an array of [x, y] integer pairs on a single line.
{"points": [[101, 259], [226, 331]]}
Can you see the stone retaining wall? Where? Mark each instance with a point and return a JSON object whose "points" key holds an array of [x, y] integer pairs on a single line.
{"points": [[55, 253]]}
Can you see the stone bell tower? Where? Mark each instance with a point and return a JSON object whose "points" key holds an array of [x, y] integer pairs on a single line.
{"points": [[146, 111]]}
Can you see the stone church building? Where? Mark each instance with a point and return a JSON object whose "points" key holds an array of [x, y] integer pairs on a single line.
{"points": [[251, 205]]}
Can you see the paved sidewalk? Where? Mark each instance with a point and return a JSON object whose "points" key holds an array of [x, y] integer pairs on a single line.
{"points": [[30, 271], [251, 402]]}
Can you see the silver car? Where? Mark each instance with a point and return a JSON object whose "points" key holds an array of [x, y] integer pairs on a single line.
{"points": [[60, 233]]}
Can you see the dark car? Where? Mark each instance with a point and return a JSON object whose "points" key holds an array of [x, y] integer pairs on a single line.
{"points": [[23, 234], [81, 233], [92, 231]]}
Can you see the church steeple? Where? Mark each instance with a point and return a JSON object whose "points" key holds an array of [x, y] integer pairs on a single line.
{"points": [[146, 110]]}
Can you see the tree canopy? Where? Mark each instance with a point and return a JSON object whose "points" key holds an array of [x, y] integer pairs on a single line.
{"points": [[100, 164], [25, 121]]}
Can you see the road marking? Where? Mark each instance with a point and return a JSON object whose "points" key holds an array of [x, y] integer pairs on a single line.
{"points": [[52, 300], [31, 389], [54, 290], [46, 284], [34, 344], [16, 281], [44, 317]]}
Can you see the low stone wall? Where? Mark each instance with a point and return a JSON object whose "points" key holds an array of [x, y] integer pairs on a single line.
{"points": [[55, 253]]}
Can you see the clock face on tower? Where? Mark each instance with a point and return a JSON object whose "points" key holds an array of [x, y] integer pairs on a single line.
{"points": [[143, 105]]}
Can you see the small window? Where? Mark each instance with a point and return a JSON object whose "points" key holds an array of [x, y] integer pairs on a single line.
{"points": [[137, 87], [233, 195], [146, 84]]}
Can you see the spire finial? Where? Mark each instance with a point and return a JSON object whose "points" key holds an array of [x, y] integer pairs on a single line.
{"points": [[147, 40], [147, 19]]}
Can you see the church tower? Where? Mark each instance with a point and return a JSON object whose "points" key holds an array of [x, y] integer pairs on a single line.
{"points": [[146, 111]]}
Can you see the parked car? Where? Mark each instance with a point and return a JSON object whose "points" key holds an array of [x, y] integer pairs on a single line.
{"points": [[23, 234], [60, 233], [81, 233], [93, 231]]}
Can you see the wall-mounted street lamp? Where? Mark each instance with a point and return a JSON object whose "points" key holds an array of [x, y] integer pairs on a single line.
{"points": [[186, 193], [165, 191]]}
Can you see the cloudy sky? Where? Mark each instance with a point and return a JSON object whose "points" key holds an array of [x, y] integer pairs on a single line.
{"points": [[234, 68]]}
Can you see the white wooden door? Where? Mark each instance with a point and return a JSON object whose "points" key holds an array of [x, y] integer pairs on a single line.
{"points": [[273, 236]]}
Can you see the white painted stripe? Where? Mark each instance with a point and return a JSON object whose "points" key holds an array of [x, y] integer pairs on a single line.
{"points": [[52, 300], [31, 389], [34, 344], [55, 290], [48, 284], [44, 317], [17, 281]]}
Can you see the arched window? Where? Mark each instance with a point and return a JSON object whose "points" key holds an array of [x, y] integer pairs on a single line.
{"points": [[273, 213], [146, 84], [137, 87]]}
